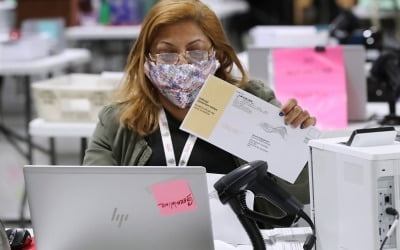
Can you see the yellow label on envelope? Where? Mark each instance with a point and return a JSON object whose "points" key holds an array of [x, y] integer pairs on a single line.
{"points": [[209, 106]]}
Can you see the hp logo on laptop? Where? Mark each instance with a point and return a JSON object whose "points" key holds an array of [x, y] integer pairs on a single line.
{"points": [[119, 218]]}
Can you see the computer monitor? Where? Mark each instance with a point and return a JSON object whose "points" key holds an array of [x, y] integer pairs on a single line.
{"points": [[260, 67]]}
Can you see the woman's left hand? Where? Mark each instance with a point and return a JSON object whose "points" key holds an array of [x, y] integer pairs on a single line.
{"points": [[296, 116]]}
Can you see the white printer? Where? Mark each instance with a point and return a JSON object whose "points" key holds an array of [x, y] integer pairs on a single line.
{"points": [[350, 188]]}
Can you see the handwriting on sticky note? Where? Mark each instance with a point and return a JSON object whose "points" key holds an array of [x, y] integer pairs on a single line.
{"points": [[174, 197]]}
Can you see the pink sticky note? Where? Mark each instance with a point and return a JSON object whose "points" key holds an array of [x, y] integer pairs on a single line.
{"points": [[316, 80], [174, 197]]}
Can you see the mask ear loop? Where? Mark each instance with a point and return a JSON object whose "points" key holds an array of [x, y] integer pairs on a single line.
{"points": [[150, 58], [212, 54]]}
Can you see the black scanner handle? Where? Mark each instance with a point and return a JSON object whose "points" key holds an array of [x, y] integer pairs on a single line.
{"points": [[254, 177], [248, 224]]}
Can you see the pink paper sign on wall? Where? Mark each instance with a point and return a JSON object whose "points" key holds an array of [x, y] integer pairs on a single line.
{"points": [[174, 197], [316, 79]]}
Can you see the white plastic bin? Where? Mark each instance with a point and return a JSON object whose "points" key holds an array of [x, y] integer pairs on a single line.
{"points": [[73, 97]]}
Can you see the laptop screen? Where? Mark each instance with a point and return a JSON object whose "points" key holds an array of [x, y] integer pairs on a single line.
{"points": [[76, 207]]}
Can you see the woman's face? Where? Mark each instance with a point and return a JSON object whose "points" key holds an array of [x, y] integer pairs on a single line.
{"points": [[178, 38]]}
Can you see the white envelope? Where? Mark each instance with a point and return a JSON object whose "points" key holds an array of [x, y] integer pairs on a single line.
{"points": [[249, 128]]}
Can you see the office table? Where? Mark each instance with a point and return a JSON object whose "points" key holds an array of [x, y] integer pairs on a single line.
{"points": [[84, 130], [222, 8], [98, 32], [25, 70], [110, 45], [294, 239], [226, 8], [41, 128]]}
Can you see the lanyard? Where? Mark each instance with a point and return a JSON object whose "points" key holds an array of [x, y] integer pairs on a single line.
{"points": [[167, 143]]}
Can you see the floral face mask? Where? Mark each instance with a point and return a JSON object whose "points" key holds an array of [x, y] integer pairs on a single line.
{"points": [[180, 83]]}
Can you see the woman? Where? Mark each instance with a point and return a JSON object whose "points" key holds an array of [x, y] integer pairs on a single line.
{"points": [[181, 42]]}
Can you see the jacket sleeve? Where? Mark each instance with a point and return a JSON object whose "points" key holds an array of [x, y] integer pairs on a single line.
{"points": [[259, 89], [99, 151]]}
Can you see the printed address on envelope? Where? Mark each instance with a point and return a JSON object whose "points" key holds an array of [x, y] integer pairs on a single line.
{"points": [[248, 127]]}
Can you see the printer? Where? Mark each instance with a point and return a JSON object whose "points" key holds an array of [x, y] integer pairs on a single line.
{"points": [[350, 189]]}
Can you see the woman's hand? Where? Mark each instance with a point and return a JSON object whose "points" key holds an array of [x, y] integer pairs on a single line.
{"points": [[296, 116]]}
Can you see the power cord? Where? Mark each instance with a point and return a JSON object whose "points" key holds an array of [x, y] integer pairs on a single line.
{"points": [[311, 239], [391, 211]]}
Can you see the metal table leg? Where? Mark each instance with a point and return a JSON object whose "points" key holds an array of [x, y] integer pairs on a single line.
{"points": [[52, 151], [83, 147]]}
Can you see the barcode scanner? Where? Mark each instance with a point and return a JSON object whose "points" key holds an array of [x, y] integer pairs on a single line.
{"points": [[254, 177]]}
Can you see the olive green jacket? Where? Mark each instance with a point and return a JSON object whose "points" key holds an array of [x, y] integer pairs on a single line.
{"points": [[115, 145]]}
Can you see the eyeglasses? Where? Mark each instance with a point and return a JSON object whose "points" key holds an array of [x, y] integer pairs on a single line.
{"points": [[191, 56]]}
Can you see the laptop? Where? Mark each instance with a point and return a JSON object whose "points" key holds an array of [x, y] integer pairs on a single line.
{"points": [[260, 66], [111, 207]]}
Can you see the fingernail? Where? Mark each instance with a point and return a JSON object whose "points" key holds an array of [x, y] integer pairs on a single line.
{"points": [[301, 126], [281, 113]]}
